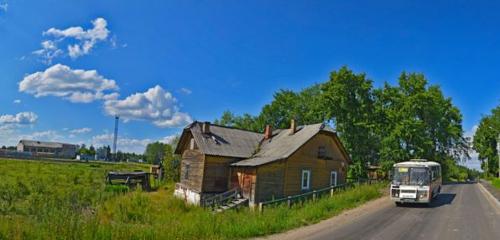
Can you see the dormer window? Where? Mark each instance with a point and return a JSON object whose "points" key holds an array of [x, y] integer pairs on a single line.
{"points": [[322, 152]]}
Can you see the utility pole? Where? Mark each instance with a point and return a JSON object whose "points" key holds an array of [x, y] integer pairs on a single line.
{"points": [[115, 137], [498, 153]]}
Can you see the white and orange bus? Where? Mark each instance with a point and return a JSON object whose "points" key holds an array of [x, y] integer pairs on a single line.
{"points": [[416, 181]]}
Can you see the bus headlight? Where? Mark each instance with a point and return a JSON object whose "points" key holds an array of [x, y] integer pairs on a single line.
{"points": [[422, 194]]}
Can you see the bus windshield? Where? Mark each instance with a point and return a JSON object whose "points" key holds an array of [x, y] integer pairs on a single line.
{"points": [[410, 176]]}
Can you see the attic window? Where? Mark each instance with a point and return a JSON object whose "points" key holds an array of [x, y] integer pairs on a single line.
{"points": [[215, 140], [322, 152]]}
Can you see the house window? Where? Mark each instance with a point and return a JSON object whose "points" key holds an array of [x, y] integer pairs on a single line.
{"points": [[191, 144], [333, 178], [186, 171], [306, 179], [321, 152]]}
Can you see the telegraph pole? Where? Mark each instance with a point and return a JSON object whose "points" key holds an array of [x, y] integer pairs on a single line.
{"points": [[498, 153], [115, 137]]}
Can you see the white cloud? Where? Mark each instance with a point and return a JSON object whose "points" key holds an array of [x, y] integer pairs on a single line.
{"points": [[74, 85], [17, 101], [49, 135], [4, 6], [124, 144], [48, 52], [80, 130], [83, 41], [186, 91], [168, 139], [155, 105], [20, 118]]}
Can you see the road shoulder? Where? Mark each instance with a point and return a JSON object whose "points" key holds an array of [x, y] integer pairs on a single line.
{"points": [[345, 218], [491, 193]]}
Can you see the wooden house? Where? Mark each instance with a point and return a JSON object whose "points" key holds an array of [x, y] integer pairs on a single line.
{"points": [[263, 166]]}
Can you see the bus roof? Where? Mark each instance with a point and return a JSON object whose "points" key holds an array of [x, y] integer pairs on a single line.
{"points": [[416, 163]]}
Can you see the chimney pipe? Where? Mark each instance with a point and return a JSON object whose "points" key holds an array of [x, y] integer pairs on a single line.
{"points": [[293, 127], [268, 133], [205, 128]]}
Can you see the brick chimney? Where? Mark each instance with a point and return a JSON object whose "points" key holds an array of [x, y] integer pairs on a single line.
{"points": [[293, 127], [268, 133], [205, 128]]}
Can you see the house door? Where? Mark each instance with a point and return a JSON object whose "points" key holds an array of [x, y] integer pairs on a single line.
{"points": [[245, 181]]}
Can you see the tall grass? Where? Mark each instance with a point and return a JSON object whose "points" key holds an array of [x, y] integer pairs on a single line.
{"points": [[70, 201], [496, 182]]}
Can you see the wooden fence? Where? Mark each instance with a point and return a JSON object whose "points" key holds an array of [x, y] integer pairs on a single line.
{"points": [[315, 194]]}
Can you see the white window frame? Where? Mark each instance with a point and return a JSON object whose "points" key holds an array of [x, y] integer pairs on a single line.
{"points": [[331, 178], [308, 186]]}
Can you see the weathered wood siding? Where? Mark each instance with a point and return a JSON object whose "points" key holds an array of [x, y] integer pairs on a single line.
{"points": [[216, 177], [195, 160], [270, 181], [244, 178], [306, 158]]}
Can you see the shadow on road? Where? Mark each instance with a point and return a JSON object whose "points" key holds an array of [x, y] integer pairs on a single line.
{"points": [[459, 183], [441, 200]]}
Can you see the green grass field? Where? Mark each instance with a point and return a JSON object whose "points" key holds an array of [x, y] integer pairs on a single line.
{"points": [[50, 200]]}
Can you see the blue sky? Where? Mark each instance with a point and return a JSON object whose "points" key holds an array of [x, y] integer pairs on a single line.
{"points": [[191, 60]]}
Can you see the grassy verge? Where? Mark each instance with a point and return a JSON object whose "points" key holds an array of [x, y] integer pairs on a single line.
{"points": [[68, 201], [496, 182]]}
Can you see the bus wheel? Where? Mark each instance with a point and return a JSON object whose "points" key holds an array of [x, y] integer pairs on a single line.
{"points": [[399, 204]]}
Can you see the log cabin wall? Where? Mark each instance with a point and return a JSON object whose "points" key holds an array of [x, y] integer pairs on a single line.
{"points": [[192, 169], [307, 158], [217, 173], [270, 181]]}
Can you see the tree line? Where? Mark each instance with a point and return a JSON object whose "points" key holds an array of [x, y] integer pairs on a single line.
{"points": [[393, 123], [486, 142]]}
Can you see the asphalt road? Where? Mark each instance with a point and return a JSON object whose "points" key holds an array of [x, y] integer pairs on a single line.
{"points": [[461, 211]]}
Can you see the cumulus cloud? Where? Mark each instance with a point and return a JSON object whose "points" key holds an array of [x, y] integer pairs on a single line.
{"points": [[124, 144], [82, 41], [74, 85], [20, 118], [169, 139], [155, 105], [17, 101], [80, 130], [48, 52], [48, 135]]}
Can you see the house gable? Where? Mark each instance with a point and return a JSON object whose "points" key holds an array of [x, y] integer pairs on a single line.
{"points": [[320, 167]]}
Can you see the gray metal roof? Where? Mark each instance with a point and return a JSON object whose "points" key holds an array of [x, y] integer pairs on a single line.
{"points": [[283, 144], [32, 143], [225, 141]]}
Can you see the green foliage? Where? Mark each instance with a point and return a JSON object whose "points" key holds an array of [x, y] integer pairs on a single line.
{"points": [[71, 201], [349, 100], [496, 182], [163, 153], [376, 125], [416, 121], [154, 152], [486, 140]]}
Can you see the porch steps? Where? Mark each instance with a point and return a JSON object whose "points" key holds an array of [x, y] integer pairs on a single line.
{"points": [[231, 204]]}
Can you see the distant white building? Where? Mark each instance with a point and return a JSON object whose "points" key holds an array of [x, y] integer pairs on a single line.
{"points": [[49, 149]]}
